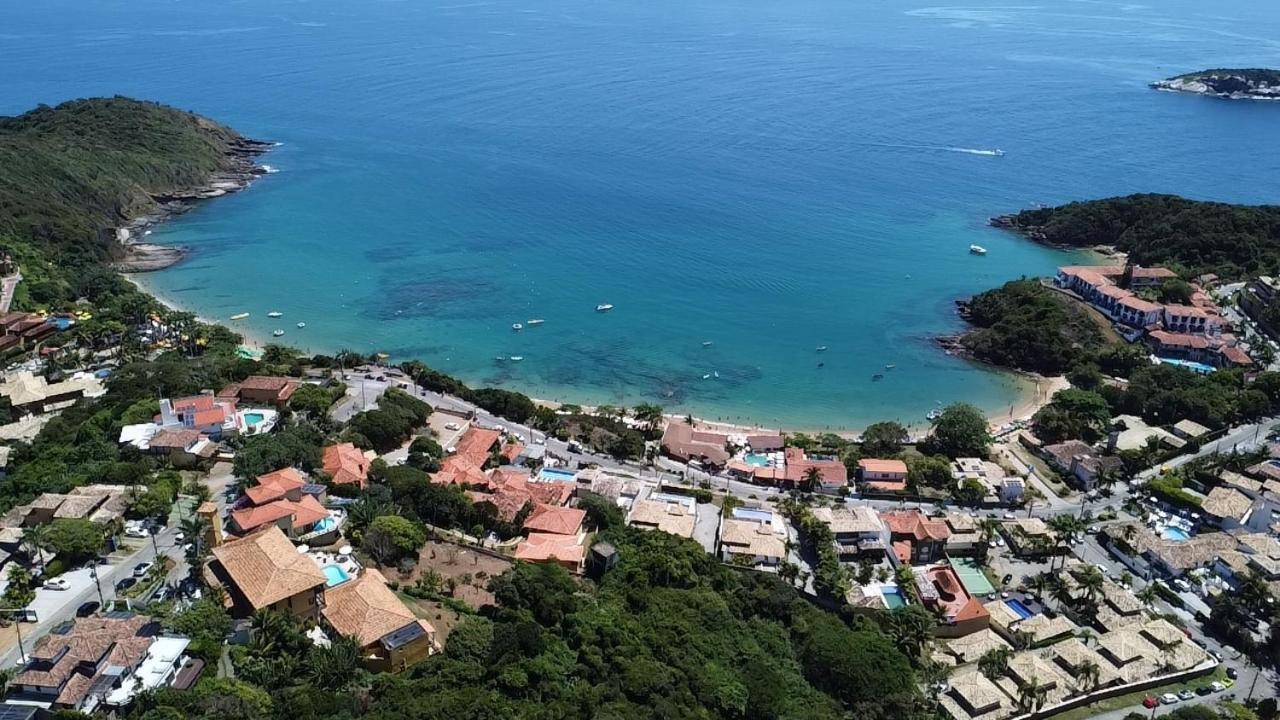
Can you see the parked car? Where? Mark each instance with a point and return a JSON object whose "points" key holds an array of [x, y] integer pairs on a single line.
{"points": [[1168, 699], [57, 584], [1186, 694], [141, 569], [1217, 686], [452, 426], [1204, 690], [1216, 655], [135, 531], [1150, 701], [87, 609], [1233, 673], [125, 584]]}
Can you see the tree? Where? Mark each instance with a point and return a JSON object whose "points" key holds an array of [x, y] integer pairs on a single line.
{"points": [[1088, 672], [391, 537], [649, 414], [602, 513], [314, 401], [929, 472], [1176, 291], [995, 662], [35, 538], [545, 592], [1072, 414], [294, 446], [970, 492], [21, 589], [74, 540], [336, 666], [811, 479], [883, 439], [911, 628], [960, 431]]}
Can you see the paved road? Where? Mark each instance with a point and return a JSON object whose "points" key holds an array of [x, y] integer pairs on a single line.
{"points": [[1240, 439]]}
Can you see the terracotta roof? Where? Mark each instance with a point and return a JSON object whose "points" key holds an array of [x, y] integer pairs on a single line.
{"points": [[265, 382], [266, 568], [557, 520], [915, 524], [850, 519], [366, 609], [682, 441], [751, 538], [345, 464], [174, 439], [1185, 311], [193, 403], [512, 450], [1235, 355], [475, 444], [287, 479], [86, 644], [882, 466], [252, 518], [546, 547], [1138, 304], [1224, 502], [1180, 340], [668, 517], [262, 494]]}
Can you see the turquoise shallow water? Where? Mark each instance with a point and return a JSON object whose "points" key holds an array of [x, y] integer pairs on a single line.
{"points": [[769, 176]]}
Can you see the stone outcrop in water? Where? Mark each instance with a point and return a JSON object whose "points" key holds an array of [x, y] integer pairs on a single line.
{"points": [[1232, 84]]}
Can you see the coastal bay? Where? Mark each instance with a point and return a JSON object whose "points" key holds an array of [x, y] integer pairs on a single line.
{"points": [[767, 182]]}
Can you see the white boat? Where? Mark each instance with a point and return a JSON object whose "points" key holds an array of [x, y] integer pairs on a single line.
{"points": [[706, 343], [535, 321], [715, 373], [302, 324], [239, 316], [890, 366], [604, 307], [517, 326], [821, 348], [998, 152], [516, 358], [707, 376], [277, 333], [275, 314], [977, 250]]}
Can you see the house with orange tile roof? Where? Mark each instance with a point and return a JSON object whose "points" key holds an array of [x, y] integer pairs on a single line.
{"points": [[263, 570], [959, 613], [556, 520], [277, 499], [345, 464], [565, 550], [792, 471], [685, 443], [915, 538], [262, 389], [883, 475], [207, 415], [390, 636]]}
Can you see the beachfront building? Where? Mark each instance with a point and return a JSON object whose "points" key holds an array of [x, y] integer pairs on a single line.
{"points": [[262, 390], [883, 475], [685, 443], [390, 636], [265, 571], [790, 468]]}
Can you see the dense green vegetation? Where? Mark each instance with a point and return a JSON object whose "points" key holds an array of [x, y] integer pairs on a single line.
{"points": [[1027, 326], [669, 633], [74, 172], [1191, 236]]}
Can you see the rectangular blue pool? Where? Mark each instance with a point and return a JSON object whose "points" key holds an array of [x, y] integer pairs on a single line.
{"points": [[1022, 611], [548, 474], [757, 460], [893, 598], [334, 575], [1175, 534]]}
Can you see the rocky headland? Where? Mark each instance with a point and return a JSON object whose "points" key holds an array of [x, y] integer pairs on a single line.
{"points": [[1231, 84]]}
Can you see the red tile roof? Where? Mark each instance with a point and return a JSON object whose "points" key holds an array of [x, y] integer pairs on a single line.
{"points": [[286, 478], [547, 547], [557, 520], [882, 466], [174, 439], [345, 464], [914, 524]]}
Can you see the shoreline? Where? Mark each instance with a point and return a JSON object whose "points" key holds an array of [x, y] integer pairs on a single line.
{"points": [[140, 258]]}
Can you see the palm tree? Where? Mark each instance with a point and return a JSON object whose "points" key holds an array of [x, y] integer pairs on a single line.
{"points": [[1060, 592], [1087, 671], [812, 477], [1086, 634], [1029, 694], [649, 414], [1090, 580], [1147, 595], [34, 538], [995, 662]]}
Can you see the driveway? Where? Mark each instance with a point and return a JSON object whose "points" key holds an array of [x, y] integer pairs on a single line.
{"points": [[706, 526]]}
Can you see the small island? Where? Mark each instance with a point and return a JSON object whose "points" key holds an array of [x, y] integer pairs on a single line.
{"points": [[1231, 84]]}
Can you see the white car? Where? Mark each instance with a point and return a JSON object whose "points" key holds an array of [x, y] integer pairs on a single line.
{"points": [[1168, 699], [1217, 686], [136, 532], [178, 538], [57, 584], [452, 426], [142, 568]]}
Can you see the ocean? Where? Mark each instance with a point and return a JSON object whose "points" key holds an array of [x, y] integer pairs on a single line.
{"points": [[766, 176]]}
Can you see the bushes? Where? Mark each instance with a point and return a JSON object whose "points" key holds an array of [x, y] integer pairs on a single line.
{"points": [[391, 537], [391, 423], [1028, 326]]}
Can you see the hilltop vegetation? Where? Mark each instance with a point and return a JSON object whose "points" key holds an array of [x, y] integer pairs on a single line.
{"points": [[1027, 326], [1190, 236], [74, 172]]}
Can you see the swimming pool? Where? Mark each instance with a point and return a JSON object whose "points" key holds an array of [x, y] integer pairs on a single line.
{"points": [[757, 460], [334, 575], [327, 523], [253, 418], [1192, 366], [557, 475], [1176, 534], [750, 514], [1022, 611], [893, 598]]}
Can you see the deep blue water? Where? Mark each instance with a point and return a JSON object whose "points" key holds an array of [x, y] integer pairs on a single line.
{"points": [[768, 175]]}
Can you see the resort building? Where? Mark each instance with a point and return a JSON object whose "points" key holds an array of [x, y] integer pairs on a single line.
{"points": [[914, 538], [680, 441], [345, 464], [883, 475], [262, 390], [677, 518], [265, 571], [391, 637], [98, 664], [857, 530], [790, 468], [283, 499]]}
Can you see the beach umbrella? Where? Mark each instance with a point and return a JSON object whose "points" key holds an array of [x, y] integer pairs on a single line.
{"points": [[344, 550], [302, 549]]}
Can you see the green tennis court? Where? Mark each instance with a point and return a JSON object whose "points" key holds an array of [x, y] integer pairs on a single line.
{"points": [[971, 575]]}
